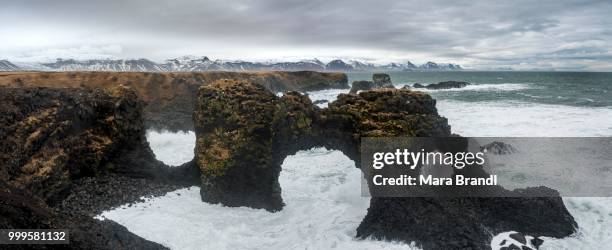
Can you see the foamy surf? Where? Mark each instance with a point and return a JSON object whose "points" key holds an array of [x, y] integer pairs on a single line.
{"points": [[483, 87], [172, 149], [324, 206], [515, 119], [322, 189]]}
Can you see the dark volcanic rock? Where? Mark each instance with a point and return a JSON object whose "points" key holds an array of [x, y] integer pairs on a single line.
{"points": [[443, 85], [233, 124], [68, 154], [361, 86], [53, 136], [92, 195], [460, 222], [319, 102], [379, 81], [498, 148], [20, 209], [244, 132], [382, 80]]}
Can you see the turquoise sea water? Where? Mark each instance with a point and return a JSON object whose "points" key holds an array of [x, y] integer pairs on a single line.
{"points": [[581, 89]]}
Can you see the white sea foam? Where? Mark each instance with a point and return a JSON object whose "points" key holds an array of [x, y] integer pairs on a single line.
{"points": [[485, 87], [324, 207], [525, 119], [172, 148]]}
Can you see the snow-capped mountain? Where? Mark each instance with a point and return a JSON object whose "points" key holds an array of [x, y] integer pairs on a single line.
{"points": [[142, 65], [205, 64], [8, 66], [191, 64], [435, 66]]}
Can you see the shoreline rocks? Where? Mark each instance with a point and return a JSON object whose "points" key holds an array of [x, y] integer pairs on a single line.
{"points": [[382, 80], [361, 86], [68, 153], [244, 132], [443, 85], [60, 144], [379, 80]]}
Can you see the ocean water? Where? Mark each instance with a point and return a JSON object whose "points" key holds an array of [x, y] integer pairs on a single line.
{"points": [[322, 188]]}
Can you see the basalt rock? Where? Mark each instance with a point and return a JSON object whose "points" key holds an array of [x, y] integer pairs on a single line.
{"points": [[361, 86], [498, 148], [443, 85], [20, 209], [244, 132], [52, 136], [68, 153], [382, 80]]}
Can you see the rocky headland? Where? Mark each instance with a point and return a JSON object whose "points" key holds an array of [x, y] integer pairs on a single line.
{"points": [[169, 97], [70, 152], [244, 132]]}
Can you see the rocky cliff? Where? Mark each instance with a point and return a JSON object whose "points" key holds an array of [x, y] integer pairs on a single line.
{"points": [[169, 97], [52, 139], [64, 149]]}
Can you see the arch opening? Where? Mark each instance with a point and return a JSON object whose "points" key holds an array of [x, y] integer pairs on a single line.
{"points": [[172, 148]]}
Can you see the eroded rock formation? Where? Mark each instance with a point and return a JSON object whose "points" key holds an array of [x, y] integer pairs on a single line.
{"points": [[51, 139], [379, 80], [51, 136], [382, 80], [244, 132], [169, 97]]}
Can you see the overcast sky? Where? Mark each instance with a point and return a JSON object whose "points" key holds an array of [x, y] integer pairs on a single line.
{"points": [[560, 35]]}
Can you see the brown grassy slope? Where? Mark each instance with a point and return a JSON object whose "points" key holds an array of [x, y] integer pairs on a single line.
{"points": [[151, 85], [170, 96]]}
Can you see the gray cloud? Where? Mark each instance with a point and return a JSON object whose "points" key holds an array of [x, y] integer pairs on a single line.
{"points": [[480, 34]]}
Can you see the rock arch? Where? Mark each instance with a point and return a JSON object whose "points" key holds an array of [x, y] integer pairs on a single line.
{"points": [[52, 137], [244, 132]]}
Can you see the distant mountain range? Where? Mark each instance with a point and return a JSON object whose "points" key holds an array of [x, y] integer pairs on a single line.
{"points": [[8, 66], [189, 64]]}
